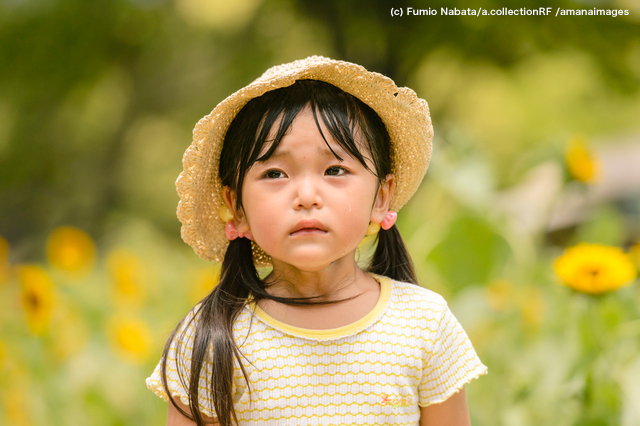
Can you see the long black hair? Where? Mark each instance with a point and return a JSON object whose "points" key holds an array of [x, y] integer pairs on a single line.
{"points": [[343, 115]]}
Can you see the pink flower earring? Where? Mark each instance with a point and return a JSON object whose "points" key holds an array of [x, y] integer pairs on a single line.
{"points": [[388, 221], [232, 233], [230, 228]]}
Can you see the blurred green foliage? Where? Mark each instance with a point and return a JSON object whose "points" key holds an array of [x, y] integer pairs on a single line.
{"points": [[470, 253], [97, 102]]}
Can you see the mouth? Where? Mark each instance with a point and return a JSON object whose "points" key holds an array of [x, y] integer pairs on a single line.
{"points": [[308, 227]]}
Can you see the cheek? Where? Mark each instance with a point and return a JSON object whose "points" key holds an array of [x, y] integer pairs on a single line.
{"points": [[356, 212], [261, 214], [263, 227]]}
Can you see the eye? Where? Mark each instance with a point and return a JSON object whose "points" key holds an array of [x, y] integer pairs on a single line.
{"points": [[273, 174], [336, 171]]}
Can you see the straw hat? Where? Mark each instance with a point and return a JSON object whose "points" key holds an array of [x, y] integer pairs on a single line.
{"points": [[405, 116]]}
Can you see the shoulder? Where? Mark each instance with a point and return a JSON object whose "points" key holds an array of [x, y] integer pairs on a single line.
{"points": [[415, 297], [182, 340], [411, 305], [189, 322]]}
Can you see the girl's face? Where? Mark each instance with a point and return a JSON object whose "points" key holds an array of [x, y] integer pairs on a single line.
{"points": [[303, 206]]}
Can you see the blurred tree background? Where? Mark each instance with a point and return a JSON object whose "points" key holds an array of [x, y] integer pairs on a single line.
{"points": [[536, 151]]}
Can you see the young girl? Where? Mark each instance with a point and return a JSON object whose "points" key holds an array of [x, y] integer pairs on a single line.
{"points": [[283, 181]]}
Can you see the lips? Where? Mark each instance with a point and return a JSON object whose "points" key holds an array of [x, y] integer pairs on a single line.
{"points": [[309, 227]]}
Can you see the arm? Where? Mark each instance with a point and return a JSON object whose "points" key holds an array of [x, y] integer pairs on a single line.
{"points": [[174, 418], [452, 412]]}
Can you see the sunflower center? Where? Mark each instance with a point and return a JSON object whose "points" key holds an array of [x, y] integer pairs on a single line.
{"points": [[32, 300]]}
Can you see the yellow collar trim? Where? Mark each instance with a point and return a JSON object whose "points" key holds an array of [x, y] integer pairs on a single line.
{"points": [[333, 333]]}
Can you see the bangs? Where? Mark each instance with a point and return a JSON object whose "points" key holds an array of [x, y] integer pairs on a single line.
{"points": [[353, 125], [341, 119]]}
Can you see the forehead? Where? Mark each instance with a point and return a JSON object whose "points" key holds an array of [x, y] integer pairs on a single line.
{"points": [[305, 132]]}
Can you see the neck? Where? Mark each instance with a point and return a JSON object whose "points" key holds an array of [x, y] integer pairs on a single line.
{"points": [[340, 279]]}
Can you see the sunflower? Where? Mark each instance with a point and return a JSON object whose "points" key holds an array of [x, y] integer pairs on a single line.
{"points": [[71, 249], [37, 296], [130, 338], [127, 277], [581, 163], [595, 268]]}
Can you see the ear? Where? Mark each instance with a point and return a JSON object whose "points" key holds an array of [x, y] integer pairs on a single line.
{"points": [[383, 199], [239, 218]]}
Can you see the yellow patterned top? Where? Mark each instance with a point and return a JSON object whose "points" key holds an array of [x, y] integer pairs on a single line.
{"points": [[407, 353]]}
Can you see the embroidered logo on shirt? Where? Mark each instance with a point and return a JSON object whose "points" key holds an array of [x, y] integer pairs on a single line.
{"points": [[397, 401]]}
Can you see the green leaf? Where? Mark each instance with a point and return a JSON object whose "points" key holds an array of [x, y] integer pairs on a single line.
{"points": [[472, 252]]}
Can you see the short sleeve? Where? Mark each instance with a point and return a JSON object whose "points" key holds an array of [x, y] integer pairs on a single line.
{"points": [[179, 370], [450, 364]]}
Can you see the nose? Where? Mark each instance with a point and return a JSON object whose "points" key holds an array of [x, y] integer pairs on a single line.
{"points": [[307, 194]]}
